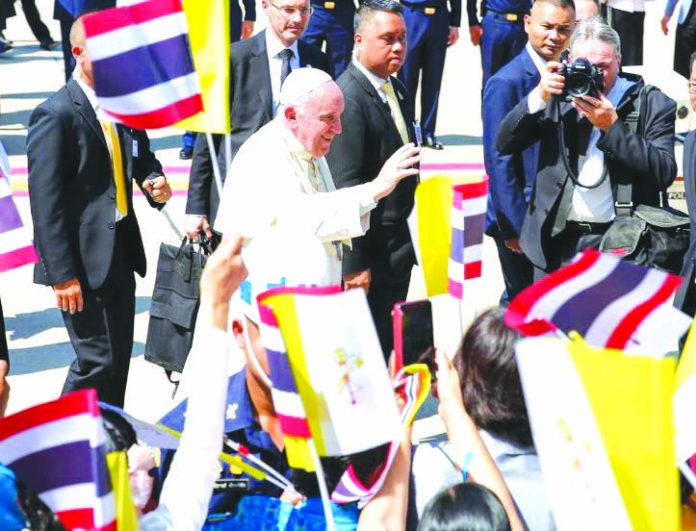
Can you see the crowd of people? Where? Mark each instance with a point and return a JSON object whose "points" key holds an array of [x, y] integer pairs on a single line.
{"points": [[327, 146]]}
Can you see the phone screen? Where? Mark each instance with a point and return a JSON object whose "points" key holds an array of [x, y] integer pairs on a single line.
{"points": [[417, 330]]}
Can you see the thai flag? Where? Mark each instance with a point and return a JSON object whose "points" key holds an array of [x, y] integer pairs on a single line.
{"points": [[57, 450], [468, 221], [610, 302], [143, 70], [16, 248]]}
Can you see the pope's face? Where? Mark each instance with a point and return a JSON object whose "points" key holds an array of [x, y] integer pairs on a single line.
{"points": [[318, 121]]}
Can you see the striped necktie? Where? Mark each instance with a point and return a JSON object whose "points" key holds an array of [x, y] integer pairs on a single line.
{"points": [[398, 118], [114, 145]]}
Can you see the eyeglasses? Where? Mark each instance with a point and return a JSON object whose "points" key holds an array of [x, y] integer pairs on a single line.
{"points": [[287, 12], [692, 88]]}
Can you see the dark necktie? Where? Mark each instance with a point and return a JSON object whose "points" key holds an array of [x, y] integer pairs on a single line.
{"points": [[286, 55]]}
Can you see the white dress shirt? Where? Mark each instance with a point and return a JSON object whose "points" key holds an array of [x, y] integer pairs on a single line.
{"points": [[92, 98], [268, 184], [374, 80], [630, 6], [275, 63], [596, 204]]}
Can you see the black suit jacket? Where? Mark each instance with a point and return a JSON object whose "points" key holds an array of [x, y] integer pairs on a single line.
{"points": [[646, 158], [72, 191], [369, 138], [251, 104], [685, 298]]}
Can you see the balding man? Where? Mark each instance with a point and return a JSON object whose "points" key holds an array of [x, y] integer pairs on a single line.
{"points": [[280, 177], [81, 170]]}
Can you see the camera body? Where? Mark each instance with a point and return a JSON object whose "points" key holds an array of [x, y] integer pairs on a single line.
{"points": [[582, 78]]}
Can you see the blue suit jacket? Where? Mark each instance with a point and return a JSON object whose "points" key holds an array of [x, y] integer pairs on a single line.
{"points": [[511, 176]]}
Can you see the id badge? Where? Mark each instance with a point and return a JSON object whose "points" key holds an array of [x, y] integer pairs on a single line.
{"points": [[135, 148]]}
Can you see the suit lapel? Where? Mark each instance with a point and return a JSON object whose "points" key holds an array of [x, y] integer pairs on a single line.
{"points": [[381, 108], [261, 74], [84, 108]]}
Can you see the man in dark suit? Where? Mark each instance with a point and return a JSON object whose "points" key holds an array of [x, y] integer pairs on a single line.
{"points": [[548, 27], [685, 299], [81, 169], [259, 65], [376, 121], [573, 200]]}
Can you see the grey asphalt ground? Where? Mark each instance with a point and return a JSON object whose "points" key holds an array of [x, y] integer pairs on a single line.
{"points": [[39, 346]]}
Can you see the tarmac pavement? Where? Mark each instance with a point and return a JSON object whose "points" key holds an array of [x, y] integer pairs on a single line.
{"points": [[39, 347]]}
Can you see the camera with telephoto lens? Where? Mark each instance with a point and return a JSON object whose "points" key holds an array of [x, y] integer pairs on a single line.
{"points": [[582, 78]]}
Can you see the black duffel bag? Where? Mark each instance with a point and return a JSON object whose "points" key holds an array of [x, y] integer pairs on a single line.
{"points": [[646, 235], [175, 301]]}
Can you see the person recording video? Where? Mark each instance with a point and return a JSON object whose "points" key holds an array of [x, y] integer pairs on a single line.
{"points": [[582, 112]]}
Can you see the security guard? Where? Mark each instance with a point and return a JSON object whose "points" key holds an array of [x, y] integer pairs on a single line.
{"points": [[430, 29], [503, 31], [332, 23]]}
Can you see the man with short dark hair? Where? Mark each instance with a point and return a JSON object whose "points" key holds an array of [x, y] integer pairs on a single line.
{"points": [[377, 120], [574, 198], [548, 27]]}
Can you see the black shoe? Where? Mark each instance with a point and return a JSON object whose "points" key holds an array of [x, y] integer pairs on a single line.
{"points": [[47, 45], [5, 39], [432, 143], [4, 47], [186, 153]]}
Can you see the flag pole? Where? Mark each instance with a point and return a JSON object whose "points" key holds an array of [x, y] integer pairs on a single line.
{"points": [[228, 149], [214, 162], [323, 490]]}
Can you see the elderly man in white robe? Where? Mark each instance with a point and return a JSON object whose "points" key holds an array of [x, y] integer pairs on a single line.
{"points": [[280, 177]]}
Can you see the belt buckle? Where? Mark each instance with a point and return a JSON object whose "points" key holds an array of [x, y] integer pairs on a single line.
{"points": [[511, 17], [329, 5], [429, 10], [585, 226]]}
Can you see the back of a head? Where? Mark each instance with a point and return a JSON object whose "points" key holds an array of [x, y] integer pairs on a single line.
{"points": [[121, 435], [464, 507], [491, 386], [368, 8]]}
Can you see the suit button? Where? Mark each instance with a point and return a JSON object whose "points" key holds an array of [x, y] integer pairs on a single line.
{"points": [[559, 185], [111, 226], [112, 195]]}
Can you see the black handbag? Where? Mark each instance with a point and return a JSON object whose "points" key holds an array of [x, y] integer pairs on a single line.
{"points": [[646, 235], [175, 302]]}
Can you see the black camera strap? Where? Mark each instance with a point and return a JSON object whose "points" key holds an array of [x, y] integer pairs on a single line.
{"points": [[560, 131]]}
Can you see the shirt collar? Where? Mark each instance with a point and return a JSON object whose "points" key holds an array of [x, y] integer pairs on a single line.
{"points": [[374, 80], [89, 91], [537, 59], [274, 46], [617, 92]]}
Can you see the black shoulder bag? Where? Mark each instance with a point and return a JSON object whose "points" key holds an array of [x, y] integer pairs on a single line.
{"points": [[646, 235], [175, 302]]}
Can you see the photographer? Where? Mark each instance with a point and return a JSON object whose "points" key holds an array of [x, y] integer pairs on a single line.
{"points": [[588, 146]]}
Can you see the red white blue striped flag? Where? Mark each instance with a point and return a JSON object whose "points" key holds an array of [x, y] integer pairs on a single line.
{"points": [[143, 70], [57, 450], [468, 221], [16, 248], [610, 302]]}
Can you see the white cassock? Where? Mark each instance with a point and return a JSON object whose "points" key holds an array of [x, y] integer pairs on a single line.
{"points": [[274, 182]]}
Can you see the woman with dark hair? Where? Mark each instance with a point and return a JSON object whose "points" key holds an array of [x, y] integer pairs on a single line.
{"points": [[491, 394], [466, 506]]}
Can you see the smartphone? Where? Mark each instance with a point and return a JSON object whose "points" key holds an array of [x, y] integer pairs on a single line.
{"points": [[413, 332]]}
